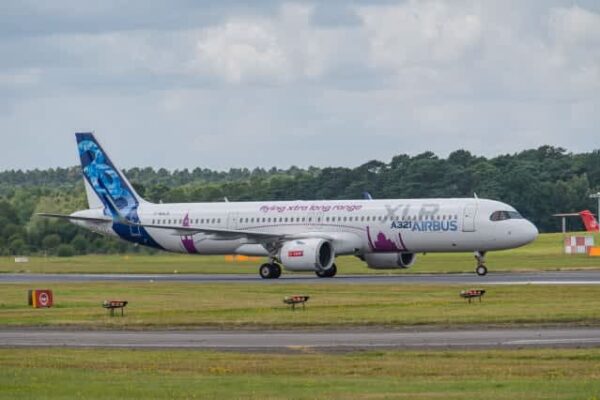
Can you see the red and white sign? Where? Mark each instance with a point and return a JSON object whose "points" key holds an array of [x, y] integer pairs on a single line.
{"points": [[578, 244], [41, 298], [295, 253]]}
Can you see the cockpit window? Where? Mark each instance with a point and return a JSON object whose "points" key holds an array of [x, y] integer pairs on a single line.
{"points": [[503, 215]]}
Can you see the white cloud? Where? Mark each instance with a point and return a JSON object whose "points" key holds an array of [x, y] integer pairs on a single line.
{"points": [[493, 76], [281, 48], [419, 33], [574, 26], [575, 46], [243, 49], [23, 78]]}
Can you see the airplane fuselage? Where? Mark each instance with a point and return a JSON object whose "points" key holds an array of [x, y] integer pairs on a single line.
{"points": [[298, 235], [353, 226]]}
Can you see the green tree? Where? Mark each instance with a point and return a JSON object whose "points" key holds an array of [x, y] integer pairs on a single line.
{"points": [[65, 250]]}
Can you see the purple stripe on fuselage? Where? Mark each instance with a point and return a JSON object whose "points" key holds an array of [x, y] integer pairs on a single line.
{"points": [[188, 241]]}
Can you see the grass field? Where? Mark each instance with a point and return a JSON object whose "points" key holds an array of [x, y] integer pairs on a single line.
{"points": [[260, 306], [142, 374], [302, 373], [544, 254]]}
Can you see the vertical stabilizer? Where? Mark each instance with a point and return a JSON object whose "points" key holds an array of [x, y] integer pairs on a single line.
{"points": [[106, 186], [92, 198], [591, 225]]}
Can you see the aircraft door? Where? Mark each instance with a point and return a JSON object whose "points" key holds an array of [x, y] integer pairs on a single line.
{"points": [[134, 230], [469, 214]]}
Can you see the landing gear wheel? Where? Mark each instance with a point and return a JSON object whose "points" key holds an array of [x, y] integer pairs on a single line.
{"points": [[269, 271], [481, 270], [276, 269], [328, 273]]}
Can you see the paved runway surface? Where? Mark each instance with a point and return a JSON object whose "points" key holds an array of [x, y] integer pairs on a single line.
{"points": [[278, 340], [565, 278]]}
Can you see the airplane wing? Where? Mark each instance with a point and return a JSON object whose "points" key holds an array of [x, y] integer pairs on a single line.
{"points": [[219, 233]]}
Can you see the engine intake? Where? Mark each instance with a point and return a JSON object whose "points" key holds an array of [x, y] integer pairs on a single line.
{"points": [[307, 255], [389, 260]]}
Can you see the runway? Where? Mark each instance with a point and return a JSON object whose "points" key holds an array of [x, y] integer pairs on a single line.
{"points": [[533, 278], [345, 340]]}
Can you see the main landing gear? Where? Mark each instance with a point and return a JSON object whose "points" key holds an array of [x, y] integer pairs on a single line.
{"points": [[327, 273], [481, 269], [270, 270]]}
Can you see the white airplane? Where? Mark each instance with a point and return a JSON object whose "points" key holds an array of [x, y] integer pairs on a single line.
{"points": [[296, 235]]}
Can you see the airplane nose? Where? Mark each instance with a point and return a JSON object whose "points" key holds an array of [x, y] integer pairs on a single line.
{"points": [[530, 232]]}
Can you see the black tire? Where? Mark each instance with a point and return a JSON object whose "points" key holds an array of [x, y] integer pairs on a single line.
{"points": [[328, 273], [269, 271], [265, 271], [481, 270], [276, 270]]}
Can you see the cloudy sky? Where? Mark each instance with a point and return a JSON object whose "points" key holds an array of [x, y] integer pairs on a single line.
{"points": [[223, 84]]}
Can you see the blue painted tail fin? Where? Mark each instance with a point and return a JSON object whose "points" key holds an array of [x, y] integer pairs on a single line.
{"points": [[105, 184]]}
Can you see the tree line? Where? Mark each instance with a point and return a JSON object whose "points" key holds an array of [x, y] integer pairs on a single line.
{"points": [[538, 182]]}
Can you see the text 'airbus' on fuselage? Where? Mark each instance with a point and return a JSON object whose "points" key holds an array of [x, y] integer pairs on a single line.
{"points": [[298, 235]]}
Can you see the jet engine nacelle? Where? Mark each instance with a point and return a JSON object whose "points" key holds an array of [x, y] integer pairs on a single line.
{"points": [[307, 255], [389, 260]]}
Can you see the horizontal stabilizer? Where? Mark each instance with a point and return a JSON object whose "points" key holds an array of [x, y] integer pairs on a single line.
{"points": [[73, 217]]}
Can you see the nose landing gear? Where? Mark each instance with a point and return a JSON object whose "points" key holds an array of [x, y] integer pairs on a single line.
{"points": [[481, 269]]}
